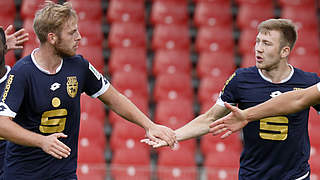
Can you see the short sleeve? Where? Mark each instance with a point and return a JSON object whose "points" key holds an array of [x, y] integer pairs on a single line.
{"points": [[96, 84], [13, 93], [227, 94]]}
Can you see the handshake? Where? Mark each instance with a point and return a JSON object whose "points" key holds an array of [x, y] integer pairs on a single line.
{"points": [[201, 125]]}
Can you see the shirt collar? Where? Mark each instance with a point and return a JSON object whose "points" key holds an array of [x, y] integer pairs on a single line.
{"points": [[283, 80], [40, 68]]}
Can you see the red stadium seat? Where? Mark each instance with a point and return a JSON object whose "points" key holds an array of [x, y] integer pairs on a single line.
{"points": [[29, 8], [92, 108], [210, 88], [314, 117], [140, 102], [10, 58], [91, 33], [309, 64], [213, 14], [250, 15], [314, 135], [173, 87], [171, 62], [214, 144], [127, 164], [171, 37], [127, 35], [214, 39], [126, 135], [296, 3], [215, 64], [92, 134], [222, 160], [228, 2], [248, 60], [315, 167], [88, 10], [247, 41], [303, 17], [126, 11], [29, 46], [91, 155], [174, 114], [8, 12], [220, 173], [94, 54], [255, 2], [128, 59], [33, 41], [307, 43], [6, 21], [91, 171], [169, 12], [177, 165], [134, 83]]}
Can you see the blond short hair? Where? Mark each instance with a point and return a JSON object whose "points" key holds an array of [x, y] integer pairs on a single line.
{"points": [[51, 19], [287, 29]]}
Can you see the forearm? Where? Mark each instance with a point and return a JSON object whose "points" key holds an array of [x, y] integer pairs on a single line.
{"points": [[286, 103], [197, 127], [125, 108], [200, 125], [15, 133]]}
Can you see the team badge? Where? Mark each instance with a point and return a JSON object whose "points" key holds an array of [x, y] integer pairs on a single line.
{"points": [[72, 86]]}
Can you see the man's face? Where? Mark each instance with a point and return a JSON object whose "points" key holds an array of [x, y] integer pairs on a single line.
{"points": [[267, 49], [68, 40]]}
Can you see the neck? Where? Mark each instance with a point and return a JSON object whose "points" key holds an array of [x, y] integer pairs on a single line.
{"points": [[47, 59], [278, 73]]}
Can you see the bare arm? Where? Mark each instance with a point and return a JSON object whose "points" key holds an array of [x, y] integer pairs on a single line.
{"points": [[125, 108], [286, 103], [200, 125], [197, 127], [50, 144]]}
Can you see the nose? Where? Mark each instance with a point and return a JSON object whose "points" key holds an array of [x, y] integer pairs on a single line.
{"points": [[258, 47], [78, 36]]}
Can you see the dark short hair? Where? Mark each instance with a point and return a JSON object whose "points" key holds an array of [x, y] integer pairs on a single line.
{"points": [[287, 29]]}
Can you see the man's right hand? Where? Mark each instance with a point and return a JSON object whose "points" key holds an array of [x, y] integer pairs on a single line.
{"points": [[231, 123], [51, 145]]}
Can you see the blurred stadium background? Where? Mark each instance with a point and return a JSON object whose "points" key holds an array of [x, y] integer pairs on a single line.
{"points": [[171, 58]]}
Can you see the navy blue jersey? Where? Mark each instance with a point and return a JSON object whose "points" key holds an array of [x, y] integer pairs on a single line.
{"points": [[274, 147], [47, 103], [2, 141]]}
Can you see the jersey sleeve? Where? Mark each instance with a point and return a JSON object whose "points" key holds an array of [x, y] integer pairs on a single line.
{"points": [[13, 93], [228, 93], [96, 84], [318, 86]]}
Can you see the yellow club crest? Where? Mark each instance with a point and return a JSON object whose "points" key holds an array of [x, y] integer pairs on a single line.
{"points": [[72, 86]]}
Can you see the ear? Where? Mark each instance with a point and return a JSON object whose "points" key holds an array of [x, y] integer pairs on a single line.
{"points": [[52, 38], [285, 51]]}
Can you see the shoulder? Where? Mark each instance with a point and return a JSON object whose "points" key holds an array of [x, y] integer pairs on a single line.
{"points": [[23, 65], [77, 60], [244, 73], [307, 76]]}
